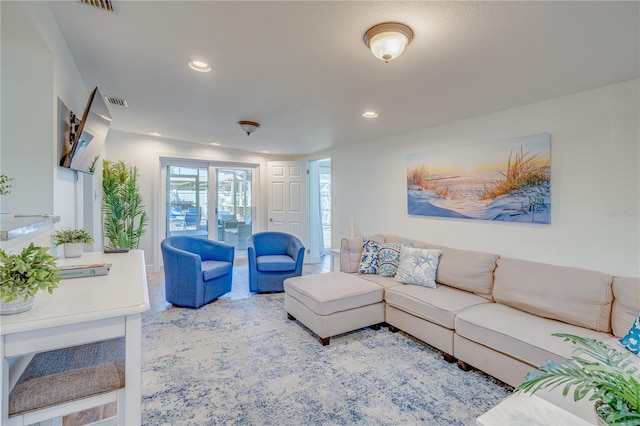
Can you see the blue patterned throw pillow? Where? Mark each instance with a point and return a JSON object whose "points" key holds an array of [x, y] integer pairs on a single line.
{"points": [[418, 266], [369, 259], [632, 340], [389, 258]]}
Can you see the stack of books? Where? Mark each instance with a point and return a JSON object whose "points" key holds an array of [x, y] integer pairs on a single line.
{"points": [[79, 271]]}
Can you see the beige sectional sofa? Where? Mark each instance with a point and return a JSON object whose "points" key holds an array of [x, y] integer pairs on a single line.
{"points": [[497, 314]]}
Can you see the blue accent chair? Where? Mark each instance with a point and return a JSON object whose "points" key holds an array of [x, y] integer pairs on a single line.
{"points": [[196, 270], [273, 257], [191, 219], [175, 212]]}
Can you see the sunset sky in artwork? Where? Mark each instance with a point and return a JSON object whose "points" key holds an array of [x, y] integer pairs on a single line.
{"points": [[481, 157]]}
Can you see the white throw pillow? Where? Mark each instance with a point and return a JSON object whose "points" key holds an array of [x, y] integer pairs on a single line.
{"points": [[418, 266], [389, 258], [369, 260]]}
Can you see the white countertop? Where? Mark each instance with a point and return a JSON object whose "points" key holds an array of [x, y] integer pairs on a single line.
{"points": [[89, 298]]}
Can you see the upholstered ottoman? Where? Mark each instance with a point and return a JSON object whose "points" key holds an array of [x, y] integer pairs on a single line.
{"points": [[333, 303]]}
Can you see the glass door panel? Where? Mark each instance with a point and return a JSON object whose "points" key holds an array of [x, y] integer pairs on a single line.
{"points": [[234, 207], [325, 201], [187, 200]]}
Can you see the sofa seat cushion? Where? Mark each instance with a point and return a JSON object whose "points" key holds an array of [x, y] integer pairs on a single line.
{"points": [[68, 374], [385, 282], [332, 292], [572, 295], [439, 305], [275, 263], [521, 335], [212, 269]]}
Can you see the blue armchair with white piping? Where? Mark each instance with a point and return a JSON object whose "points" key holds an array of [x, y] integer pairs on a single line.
{"points": [[273, 257], [196, 270]]}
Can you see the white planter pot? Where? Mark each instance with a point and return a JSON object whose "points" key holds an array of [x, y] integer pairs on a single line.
{"points": [[600, 421], [72, 250], [16, 306]]}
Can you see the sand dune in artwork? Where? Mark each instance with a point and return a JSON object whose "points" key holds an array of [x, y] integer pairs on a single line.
{"points": [[518, 192]]}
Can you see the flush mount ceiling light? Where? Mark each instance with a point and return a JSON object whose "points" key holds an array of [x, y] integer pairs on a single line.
{"points": [[370, 114], [199, 66], [388, 40], [248, 126]]}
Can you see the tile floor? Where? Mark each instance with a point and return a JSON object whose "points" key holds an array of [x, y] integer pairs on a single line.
{"points": [[239, 288]]}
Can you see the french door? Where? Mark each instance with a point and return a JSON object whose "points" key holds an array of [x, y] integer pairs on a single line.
{"points": [[187, 200], [234, 207], [209, 200]]}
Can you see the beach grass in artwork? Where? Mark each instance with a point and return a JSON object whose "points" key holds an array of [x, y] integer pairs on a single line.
{"points": [[507, 180]]}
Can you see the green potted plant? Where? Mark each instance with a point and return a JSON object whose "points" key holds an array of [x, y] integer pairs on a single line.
{"points": [[611, 375], [23, 275], [125, 219], [73, 239]]}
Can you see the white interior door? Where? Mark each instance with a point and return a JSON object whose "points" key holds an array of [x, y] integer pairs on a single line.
{"points": [[287, 198]]}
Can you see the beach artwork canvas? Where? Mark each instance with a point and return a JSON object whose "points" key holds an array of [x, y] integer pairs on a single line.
{"points": [[506, 180]]}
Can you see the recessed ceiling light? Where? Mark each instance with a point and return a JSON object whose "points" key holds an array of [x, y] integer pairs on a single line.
{"points": [[215, 144], [370, 114], [155, 134], [264, 151], [199, 66]]}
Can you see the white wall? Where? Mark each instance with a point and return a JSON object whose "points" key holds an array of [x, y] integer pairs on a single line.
{"points": [[27, 122], [595, 183], [37, 69], [145, 152], [595, 161]]}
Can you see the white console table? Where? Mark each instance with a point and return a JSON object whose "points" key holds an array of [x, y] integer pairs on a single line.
{"points": [[80, 311]]}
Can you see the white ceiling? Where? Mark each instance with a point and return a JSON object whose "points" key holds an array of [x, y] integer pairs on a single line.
{"points": [[302, 70]]}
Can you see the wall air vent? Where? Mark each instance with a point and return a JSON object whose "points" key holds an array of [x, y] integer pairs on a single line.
{"points": [[107, 5], [116, 101]]}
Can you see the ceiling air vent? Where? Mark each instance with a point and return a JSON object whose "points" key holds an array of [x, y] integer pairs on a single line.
{"points": [[107, 5], [116, 101]]}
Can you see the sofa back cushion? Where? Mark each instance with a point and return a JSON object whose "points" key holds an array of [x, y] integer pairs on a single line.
{"points": [[572, 295], [464, 269], [405, 241], [626, 304], [467, 270]]}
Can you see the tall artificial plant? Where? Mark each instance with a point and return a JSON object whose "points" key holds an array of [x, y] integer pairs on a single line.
{"points": [[125, 219]]}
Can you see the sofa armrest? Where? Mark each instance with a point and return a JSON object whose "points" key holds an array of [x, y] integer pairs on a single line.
{"points": [[350, 254]]}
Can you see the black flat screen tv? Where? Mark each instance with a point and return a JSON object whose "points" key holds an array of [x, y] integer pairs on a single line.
{"points": [[84, 139]]}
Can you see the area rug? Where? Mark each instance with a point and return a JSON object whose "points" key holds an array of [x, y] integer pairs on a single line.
{"points": [[243, 362]]}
